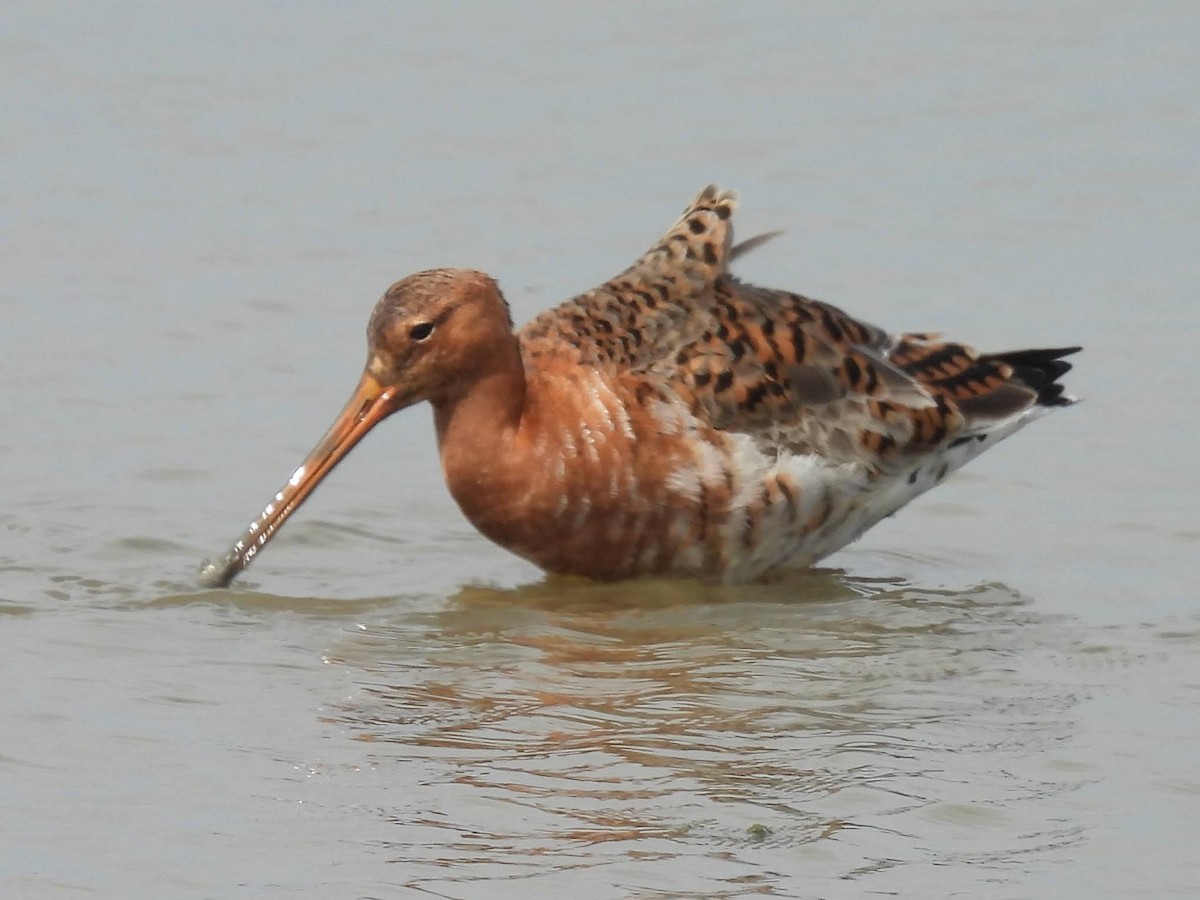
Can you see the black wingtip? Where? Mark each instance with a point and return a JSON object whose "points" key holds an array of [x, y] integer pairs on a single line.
{"points": [[1041, 370]]}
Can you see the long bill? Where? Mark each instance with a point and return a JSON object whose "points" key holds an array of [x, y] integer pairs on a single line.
{"points": [[370, 403]]}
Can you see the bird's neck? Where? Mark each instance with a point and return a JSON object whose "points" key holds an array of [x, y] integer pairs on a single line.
{"points": [[478, 419]]}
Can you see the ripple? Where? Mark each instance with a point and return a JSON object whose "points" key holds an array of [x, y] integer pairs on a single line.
{"points": [[682, 716]]}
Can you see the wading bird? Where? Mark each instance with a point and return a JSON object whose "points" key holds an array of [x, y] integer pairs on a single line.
{"points": [[674, 420]]}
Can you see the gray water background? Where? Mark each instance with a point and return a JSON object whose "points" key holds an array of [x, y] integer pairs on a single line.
{"points": [[995, 694]]}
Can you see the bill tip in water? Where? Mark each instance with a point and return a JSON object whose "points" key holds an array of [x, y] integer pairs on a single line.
{"points": [[214, 575]]}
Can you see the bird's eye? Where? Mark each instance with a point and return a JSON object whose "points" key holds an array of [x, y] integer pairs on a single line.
{"points": [[421, 332]]}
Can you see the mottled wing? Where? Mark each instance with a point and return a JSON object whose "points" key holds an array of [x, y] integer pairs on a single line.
{"points": [[646, 312], [985, 386], [793, 373], [801, 375]]}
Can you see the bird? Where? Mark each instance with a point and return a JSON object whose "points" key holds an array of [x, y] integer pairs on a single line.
{"points": [[675, 420]]}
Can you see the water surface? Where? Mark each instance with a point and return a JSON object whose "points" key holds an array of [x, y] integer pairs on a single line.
{"points": [[991, 695]]}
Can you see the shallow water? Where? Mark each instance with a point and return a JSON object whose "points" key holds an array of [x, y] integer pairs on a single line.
{"points": [[992, 695]]}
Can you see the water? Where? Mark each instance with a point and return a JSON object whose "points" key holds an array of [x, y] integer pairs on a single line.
{"points": [[992, 695]]}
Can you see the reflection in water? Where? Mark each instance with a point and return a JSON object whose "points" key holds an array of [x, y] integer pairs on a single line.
{"points": [[713, 721]]}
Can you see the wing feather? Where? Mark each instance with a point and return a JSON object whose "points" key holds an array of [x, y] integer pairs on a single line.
{"points": [[795, 374]]}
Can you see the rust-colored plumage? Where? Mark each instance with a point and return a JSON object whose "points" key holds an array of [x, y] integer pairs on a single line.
{"points": [[674, 420]]}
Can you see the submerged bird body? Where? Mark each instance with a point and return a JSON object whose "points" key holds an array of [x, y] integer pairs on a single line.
{"points": [[674, 420]]}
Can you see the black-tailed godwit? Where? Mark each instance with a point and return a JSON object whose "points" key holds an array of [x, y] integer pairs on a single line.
{"points": [[675, 420]]}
